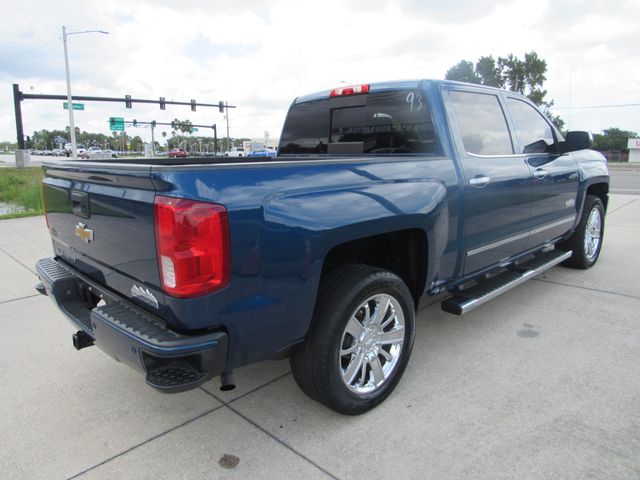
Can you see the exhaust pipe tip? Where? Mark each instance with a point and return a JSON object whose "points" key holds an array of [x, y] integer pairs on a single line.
{"points": [[227, 381]]}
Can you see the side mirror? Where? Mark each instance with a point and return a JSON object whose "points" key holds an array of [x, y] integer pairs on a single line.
{"points": [[578, 141]]}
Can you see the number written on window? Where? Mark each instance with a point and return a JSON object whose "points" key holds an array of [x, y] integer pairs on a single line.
{"points": [[414, 99]]}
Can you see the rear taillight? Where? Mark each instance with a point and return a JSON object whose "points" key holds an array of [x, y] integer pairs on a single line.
{"points": [[192, 240], [354, 90]]}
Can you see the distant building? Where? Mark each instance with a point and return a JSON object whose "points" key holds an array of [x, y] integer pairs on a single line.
{"points": [[265, 142], [256, 143], [634, 150]]}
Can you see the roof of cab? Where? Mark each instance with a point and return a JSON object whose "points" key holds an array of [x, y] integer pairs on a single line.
{"points": [[391, 85]]}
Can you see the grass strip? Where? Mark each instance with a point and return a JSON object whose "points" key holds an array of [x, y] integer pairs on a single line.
{"points": [[21, 187]]}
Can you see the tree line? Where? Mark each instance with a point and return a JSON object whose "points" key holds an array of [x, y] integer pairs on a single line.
{"points": [[51, 139], [527, 76], [181, 136]]}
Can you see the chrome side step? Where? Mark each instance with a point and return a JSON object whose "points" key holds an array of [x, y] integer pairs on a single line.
{"points": [[466, 300]]}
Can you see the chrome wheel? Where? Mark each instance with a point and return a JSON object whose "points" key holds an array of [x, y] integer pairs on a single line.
{"points": [[371, 344], [592, 234]]}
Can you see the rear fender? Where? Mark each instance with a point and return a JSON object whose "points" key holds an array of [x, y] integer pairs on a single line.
{"points": [[329, 218]]}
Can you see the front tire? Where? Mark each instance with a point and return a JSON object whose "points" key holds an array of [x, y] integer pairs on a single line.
{"points": [[360, 340], [586, 241]]}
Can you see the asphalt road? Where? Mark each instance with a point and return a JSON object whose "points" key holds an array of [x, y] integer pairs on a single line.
{"points": [[626, 182], [541, 382]]}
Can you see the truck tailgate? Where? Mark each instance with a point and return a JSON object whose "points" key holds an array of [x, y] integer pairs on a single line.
{"points": [[100, 217]]}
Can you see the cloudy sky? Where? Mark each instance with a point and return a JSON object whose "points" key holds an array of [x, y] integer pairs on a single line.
{"points": [[259, 55]]}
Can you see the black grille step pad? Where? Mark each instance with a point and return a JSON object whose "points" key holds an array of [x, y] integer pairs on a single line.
{"points": [[137, 323], [53, 270], [64, 291], [172, 376], [150, 330]]}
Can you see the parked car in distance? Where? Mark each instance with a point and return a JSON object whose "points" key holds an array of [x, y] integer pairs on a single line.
{"points": [[177, 153], [80, 149], [58, 152], [263, 152], [235, 152], [110, 153], [93, 150]]}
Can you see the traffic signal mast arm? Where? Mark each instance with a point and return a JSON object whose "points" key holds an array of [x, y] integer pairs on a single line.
{"points": [[19, 96], [170, 124], [127, 99]]}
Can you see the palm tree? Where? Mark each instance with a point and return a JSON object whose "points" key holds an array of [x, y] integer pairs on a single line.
{"points": [[184, 126]]}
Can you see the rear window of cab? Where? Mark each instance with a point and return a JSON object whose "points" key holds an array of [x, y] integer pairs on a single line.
{"points": [[391, 122]]}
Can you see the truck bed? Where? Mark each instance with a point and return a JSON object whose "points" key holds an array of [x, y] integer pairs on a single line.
{"points": [[165, 161]]}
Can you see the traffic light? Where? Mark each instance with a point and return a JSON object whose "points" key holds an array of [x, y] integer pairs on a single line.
{"points": [[127, 101], [153, 124], [112, 122], [163, 105], [193, 105], [135, 122], [221, 106]]}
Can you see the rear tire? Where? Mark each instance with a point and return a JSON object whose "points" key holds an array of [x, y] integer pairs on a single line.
{"points": [[586, 240], [360, 340]]}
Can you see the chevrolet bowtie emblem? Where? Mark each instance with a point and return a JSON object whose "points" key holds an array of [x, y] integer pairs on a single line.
{"points": [[84, 233]]}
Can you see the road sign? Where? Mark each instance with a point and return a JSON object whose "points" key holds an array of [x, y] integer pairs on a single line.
{"points": [[76, 106], [116, 123], [194, 129]]}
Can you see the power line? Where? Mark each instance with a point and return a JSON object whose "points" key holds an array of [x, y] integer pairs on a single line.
{"points": [[7, 60], [598, 106]]}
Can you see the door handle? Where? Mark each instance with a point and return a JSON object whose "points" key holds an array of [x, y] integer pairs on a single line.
{"points": [[540, 173], [479, 181]]}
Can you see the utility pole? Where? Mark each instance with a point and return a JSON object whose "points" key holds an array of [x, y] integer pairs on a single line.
{"points": [[17, 98], [570, 92], [226, 109], [153, 141]]}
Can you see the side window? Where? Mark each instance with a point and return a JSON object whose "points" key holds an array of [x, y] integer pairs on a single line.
{"points": [[482, 123], [532, 129]]}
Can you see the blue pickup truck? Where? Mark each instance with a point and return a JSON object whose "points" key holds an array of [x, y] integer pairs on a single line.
{"points": [[382, 196]]}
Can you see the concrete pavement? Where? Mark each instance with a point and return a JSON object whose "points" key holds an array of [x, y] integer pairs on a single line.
{"points": [[542, 382], [626, 181]]}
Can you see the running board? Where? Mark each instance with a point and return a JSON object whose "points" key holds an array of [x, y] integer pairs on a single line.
{"points": [[466, 300]]}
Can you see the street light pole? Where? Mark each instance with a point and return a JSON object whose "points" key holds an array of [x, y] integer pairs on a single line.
{"points": [[72, 126]]}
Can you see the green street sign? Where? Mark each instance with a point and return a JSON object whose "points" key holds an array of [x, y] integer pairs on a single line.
{"points": [[116, 124], [76, 106], [194, 129]]}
